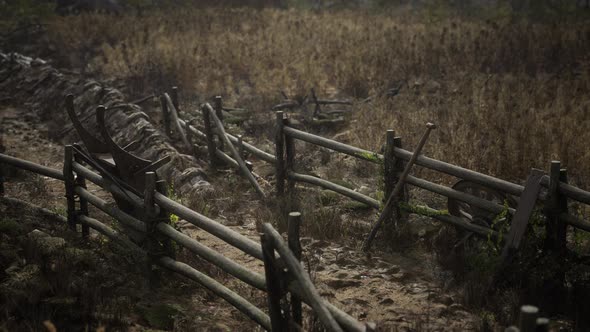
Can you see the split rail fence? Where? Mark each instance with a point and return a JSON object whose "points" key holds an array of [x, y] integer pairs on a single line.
{"points": [[552, 190], [284, 276]]}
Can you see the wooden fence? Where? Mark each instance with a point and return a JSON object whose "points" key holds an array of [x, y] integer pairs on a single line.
{"points": [[284, 277], [553, 191]]}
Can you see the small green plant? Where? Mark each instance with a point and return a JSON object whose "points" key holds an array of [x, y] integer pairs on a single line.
{"points": [[173, 196], [422, 210], [372, 156]]}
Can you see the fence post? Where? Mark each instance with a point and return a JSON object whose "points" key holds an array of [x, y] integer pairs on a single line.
{"points": [[219, 113], [280, 154], [165, 115], [389, 170], [174, 97], [273, 284], [2, 150], [69, 184], [527, 320], [398, 168], [211, 146], [81, 182], [150, 223], [290, 167], [164, 216], [293, 238], [556, 229], [241, 146]]}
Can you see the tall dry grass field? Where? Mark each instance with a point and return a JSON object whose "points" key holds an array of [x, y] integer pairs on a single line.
{"points": [[507, 95]]}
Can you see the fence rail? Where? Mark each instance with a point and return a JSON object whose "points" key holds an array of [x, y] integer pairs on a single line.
{"points": [[395, 156], [297, 287]]}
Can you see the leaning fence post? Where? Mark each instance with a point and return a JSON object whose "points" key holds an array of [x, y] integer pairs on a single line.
{"points": [[280, 154], [389, 169], [273, 284], [293, 238], [165, 115], [556, 229], [81, 182], [219, 113], [211, 147], [69, 184], [174, 97]]}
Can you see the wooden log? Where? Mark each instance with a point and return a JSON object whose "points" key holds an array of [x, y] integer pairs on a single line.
{"points": [[174, 96], [335, 187], [555, 240], [113, 235], [290, 167], [334, 145], [32, 167], [81, 183], [293, 238], [333, 102], [174, 116], [163, 214], [68, 175], [296, 270], [243, 168], [149, 211], [218, 289], [280, 154], [219, 113], [273, 284], [223, 232], [112, 211], [211, 146], [165, 116], [523, 214], [249, 277], [399, 186], [527, 320]]}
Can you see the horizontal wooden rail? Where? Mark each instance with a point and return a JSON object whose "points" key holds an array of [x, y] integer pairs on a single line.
{"points": [[335, 187], [112, 211], [251, 278], [462, 173], [30, 166], [112, 234], [480, 231], [458, 195], [211, 226], [570, 191], [575, 222], [334, 145], [261, 154], [218, 289], [108, 185]]}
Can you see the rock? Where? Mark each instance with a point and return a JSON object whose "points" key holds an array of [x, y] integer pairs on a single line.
{"points": [[342, 283], [44, 243]]}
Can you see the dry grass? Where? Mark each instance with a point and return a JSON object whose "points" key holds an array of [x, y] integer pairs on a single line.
{"points": [[507, 95]]}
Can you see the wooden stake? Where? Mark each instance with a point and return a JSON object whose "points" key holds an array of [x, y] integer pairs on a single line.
{"points": [[280, 154], [273, 284], [293, 233], [165, 116], [211, 147], [69, 184], [81, 182]]}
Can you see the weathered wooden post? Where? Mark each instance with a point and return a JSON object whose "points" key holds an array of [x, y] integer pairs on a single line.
{"points": [[527, 320], [293, 238], [390, 176], [211, 146], [2, 150], [241, 146], [556, 229], [70, 184], [165, 115], [174, 97], [280, 154], [290, 167], [273, 284], [542, 324], [219, 113], [398, 168], [81, 182], [150, 223], [164, 216]]}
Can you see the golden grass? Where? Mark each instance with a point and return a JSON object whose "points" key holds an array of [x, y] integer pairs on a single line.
{"points": [[507, 95]]}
